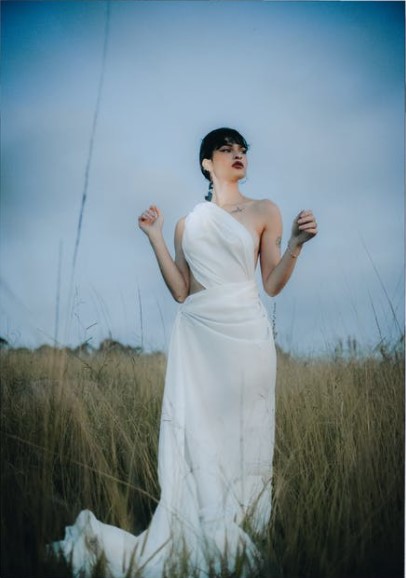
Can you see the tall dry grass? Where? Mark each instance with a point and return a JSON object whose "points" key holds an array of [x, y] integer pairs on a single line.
{"points": [[81, 431], [339, 468]]}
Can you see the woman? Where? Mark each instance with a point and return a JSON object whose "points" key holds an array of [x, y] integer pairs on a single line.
{"points": [[217, 424]]}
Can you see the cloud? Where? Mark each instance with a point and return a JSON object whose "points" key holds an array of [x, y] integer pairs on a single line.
{"points": [[317, 88]]}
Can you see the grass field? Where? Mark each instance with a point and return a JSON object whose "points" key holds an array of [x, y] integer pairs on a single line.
{"points": [[80, 430]]}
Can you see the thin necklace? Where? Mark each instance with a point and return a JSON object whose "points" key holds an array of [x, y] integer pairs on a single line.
{"points": [[237, 210], [239, 207]]}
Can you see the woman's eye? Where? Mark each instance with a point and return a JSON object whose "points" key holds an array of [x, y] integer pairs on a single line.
{"points": [[229, 149]]}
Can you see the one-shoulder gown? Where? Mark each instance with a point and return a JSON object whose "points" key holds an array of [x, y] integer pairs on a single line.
{"points": [[217, 426]]}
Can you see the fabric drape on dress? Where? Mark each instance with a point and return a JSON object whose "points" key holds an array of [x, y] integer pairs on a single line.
{"points": [[217, 425]]}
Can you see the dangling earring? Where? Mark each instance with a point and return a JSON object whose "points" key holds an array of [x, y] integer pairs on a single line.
{"points": [[209, 195]]}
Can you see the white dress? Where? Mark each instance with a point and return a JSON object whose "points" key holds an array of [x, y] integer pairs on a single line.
{"points": [[217, 425]]}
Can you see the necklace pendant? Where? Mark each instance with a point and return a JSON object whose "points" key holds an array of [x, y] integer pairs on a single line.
{"points": [[237, 210]]}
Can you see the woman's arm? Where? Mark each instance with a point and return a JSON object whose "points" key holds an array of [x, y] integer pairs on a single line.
{"points": [[276, 269], [175, 272]]}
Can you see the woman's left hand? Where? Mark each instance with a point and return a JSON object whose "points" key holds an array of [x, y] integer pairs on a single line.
{"points": [[304, 228]]}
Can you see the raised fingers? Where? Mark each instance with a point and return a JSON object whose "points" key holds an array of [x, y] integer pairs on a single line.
{"points": [[305, 216], [307, 222], [149, 215]]}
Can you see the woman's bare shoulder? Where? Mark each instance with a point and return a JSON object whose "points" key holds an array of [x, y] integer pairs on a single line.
{"points": [[267, 204], [265, 207]]}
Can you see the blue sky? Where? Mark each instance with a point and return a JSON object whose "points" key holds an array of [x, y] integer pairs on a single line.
{"points": [[317, 89]]}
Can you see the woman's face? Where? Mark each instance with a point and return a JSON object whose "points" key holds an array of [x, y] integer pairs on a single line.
{"points": [[229, 162]]}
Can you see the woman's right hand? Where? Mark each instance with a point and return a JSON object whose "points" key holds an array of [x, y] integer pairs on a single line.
{"points": [[151, 221]]}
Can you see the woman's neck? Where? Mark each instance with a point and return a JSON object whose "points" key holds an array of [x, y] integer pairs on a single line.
{"points": [[226, 193]]}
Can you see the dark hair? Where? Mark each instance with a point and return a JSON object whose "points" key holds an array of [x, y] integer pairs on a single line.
{"points": [[215, 140]]}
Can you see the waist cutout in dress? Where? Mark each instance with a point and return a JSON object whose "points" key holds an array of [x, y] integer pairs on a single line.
{"points": [[233, 308]]}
